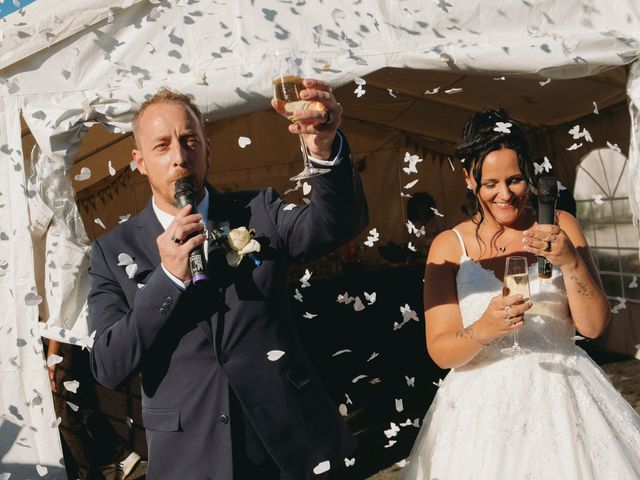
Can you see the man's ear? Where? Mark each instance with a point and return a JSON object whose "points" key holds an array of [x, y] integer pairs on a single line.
{"points": [[139, 159]]}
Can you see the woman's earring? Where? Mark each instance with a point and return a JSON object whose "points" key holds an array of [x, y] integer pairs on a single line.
{"points": [[469, 187]]}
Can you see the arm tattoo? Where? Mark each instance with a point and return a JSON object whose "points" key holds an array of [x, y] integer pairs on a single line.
{"points": [[582, 287], [466, 333]]}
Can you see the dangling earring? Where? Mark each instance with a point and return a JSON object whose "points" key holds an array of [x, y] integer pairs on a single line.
{"points": [[469, 187]]}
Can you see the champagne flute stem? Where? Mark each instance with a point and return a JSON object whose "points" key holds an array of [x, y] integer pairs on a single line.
{"points": [[305, 155], [516, 345]]}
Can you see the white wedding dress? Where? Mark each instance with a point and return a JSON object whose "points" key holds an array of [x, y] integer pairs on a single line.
{"points": [[550, 414]]}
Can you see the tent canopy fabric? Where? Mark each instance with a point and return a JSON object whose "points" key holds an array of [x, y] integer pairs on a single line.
{"points": [[64, 69]]}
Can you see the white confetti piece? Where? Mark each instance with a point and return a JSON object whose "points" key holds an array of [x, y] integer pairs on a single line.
{"points": [[85, 174], [99, 222], [298, 295], [306, 188], [131, 270], [375, 381], [402, 463], [438, 383], [373, 355], [304, 280], [595, 108], [499, 78], [112, 171], [309, 315], [412, 160], [436, 212], [411, 381], [538, 168], [358, 306], [342, 409], [340, 352], [392, 431], [370, 297], [124, 259], [451, 164], [56, 423], [546, 82], [73, 406], [345, 298], [275, 355], [597, 199], [322, 467], [452, 91], [391, 93], [32, 299], [289, 207], [358, 378], [360, 81], [410, 184], [634, 282], [349, 402], [432, 92], [503, 127], [244, 141], [574, 146], [349, 462], [614, 147], [411, 228], [412, 247], [124, 218], [71, 385], [42, 470], [200, 78], [128, 421], [359, 91], [399, 405], [372, 237], [408, 313], [53, 359]]}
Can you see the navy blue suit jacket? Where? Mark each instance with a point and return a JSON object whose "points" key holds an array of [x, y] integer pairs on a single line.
{"points": [[190, 347]]}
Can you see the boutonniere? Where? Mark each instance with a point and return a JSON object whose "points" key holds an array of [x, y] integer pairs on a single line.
{"points": [[236, 244]]}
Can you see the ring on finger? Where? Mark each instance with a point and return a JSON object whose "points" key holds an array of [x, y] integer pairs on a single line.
{"points": [[507, 316], [175, 239], [328, 118]]}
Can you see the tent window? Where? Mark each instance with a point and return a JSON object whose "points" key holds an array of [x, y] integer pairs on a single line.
{"points": [[601, 194]]}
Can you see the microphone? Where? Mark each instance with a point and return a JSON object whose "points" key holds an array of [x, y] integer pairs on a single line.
{"points": [[186, 195], [547, 197]]}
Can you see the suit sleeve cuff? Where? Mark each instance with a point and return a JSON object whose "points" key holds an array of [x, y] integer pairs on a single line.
{"points": [[336, 157], [179, 283]]}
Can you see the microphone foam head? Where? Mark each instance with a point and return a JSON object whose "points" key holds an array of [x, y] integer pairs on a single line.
{"points": [[184, 188], [547, 189]]}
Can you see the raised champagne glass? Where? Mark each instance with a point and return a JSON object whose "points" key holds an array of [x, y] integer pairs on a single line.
{"points": [[516, 281], [287, 85]]}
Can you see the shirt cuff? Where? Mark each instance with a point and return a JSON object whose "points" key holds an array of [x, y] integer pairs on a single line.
{"points": [[179, 283], [336, 159]]}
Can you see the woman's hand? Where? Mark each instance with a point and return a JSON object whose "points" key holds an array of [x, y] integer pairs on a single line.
{"points": [[504, 315], [551, 242]]}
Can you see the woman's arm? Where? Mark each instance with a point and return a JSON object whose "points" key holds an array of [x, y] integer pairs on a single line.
{"points": [[570, 253], [449, 343]]}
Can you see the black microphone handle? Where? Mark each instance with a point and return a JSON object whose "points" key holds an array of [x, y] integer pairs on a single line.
{"points": [[197, 260], [546, 216]]}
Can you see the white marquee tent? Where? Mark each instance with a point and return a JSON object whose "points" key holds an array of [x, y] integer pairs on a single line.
{"points": [[64, 68]]}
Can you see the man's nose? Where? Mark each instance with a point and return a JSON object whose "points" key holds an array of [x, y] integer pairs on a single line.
{"points": [[178, 155]]}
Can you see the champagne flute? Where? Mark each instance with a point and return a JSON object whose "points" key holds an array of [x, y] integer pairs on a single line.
{"points": [[516, 281], [287, 85]]}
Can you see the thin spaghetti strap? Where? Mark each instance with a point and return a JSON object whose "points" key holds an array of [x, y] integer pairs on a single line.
{"points": [[464, 249]]}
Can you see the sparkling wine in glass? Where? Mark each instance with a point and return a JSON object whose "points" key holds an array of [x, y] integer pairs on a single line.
{"points": [[286, 94], [516, 281]]}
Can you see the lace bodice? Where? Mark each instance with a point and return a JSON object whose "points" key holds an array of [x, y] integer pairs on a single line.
{"points": [[548, 327]]}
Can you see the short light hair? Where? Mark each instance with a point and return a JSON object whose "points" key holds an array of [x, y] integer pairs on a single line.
{"points": [[166, 95]]}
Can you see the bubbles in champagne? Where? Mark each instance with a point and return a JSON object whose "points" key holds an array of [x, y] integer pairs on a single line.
{"points": [[518, 284], [286, 93]]}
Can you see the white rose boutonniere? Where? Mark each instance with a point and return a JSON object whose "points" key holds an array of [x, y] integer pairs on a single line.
{"points": [[241, 243]]}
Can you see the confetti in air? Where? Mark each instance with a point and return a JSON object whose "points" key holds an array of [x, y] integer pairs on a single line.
{"points": [[274, 355], [614, 147], [244, 141], [322, 467], [503, 127], [634, 282], [436, 212], [432, 92], [304, 280], [412, 160], [597, 199], [373, 237], [99, 222], [85, 174], [112, 171], [452, 91], [349, 462], [538, 168], [546, 82], [370, 297]]}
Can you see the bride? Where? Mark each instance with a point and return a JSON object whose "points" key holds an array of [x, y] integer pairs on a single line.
{"points": [[548, 414]]}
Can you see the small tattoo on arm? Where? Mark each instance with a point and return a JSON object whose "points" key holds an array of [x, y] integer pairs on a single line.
{"points": [[582, 287], [466, 333]]}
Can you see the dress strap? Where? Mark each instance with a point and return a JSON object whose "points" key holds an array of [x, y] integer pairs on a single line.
{"points": [[464, 249]]}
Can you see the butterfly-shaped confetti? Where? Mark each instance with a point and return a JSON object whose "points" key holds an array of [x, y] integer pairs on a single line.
{"points": [[345, 298], [373, 355], [545, 166], [309, 315], [614, 147], [372, 238], [359, 91], [412, 160], [392, 431], [298, 295], [370, 298], [304, 280], [634, 282], [412, 247], [503, 127], [574, 146], [411, 381], [408, 313], [597, 199], [349, 462]]}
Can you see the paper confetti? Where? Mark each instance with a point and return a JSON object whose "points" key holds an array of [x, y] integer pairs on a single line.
{"points": [[545, 166], [85, 174], [322, 467], [71, 385], [243, 142], [304, 280], [503, 127], [274, 355]]}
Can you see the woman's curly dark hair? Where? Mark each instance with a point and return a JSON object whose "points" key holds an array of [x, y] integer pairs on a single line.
{"points": [[479, 138]]}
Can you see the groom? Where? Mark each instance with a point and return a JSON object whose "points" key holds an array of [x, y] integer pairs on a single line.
{"points": [[219, 398]]}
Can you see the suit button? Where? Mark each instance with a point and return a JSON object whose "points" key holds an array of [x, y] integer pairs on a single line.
{"points": [[224, 358], [224, 419], [168, 300]]}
